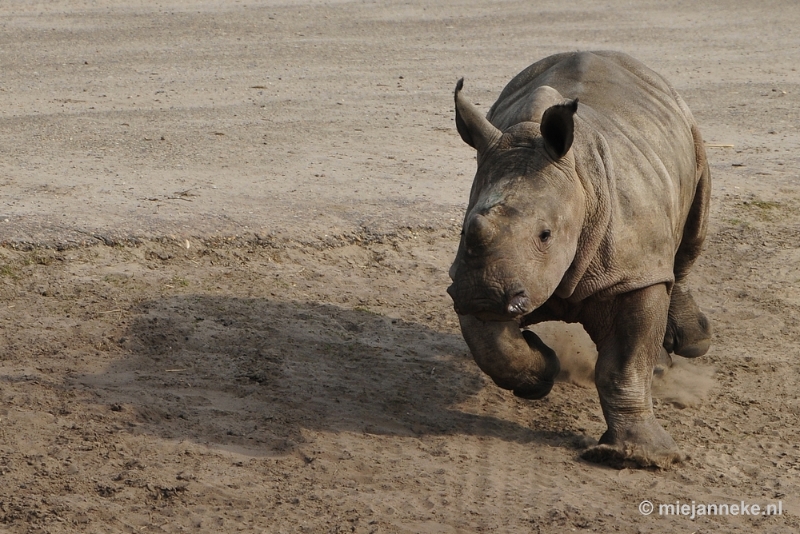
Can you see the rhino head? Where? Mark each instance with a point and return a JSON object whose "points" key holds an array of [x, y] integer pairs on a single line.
{"points": [[525, 213], [520, 236]]}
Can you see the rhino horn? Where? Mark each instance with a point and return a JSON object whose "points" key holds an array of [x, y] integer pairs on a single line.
{"points": [[480, 232], [472, 125], [558, 128]]}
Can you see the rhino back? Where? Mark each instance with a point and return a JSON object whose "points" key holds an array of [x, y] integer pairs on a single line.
{"points": [[609, 82]]}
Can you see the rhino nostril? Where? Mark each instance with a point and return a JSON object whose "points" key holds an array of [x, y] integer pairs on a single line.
{"points": [[519, 304]]}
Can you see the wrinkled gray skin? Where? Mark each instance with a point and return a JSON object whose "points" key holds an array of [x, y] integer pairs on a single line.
{"points": [[589, 205]]}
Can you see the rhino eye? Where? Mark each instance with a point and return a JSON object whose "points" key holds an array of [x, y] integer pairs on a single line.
{"points": [[544, 236]]}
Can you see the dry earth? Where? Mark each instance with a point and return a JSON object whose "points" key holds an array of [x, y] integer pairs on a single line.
{"points": [[226, 228]]}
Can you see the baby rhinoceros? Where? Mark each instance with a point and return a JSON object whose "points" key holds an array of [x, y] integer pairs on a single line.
{"points": [[589, 205]]}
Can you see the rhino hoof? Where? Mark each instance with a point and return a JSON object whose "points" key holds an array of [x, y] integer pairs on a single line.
{"points": [[633, 457], [643, 443], [534, 391], [693, 351], [688, 329]]}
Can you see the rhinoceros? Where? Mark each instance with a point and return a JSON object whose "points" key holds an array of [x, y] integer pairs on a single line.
{"points": [[590, 205]]}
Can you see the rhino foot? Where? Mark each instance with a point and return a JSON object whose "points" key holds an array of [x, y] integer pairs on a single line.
{"points": [[643, 444], [632, 457], [514, 359], [688, 329]]}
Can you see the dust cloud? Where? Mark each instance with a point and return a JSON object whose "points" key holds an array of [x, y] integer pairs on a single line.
{"points": [[685, 383], [575, 350]]}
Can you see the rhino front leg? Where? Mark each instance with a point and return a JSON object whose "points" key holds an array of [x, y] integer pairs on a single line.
{"points": [[629, 331], [515, 359]]}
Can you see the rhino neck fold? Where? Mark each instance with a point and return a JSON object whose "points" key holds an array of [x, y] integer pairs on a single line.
{"points": [[593, 167]]}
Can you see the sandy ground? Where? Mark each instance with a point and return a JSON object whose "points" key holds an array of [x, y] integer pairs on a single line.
{"points": [[226, 228]]}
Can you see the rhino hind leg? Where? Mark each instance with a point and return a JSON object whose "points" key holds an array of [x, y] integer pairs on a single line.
{"points": [[688, 329]]}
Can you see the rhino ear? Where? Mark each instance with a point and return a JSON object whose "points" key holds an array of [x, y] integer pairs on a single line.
{"points": [[473, 127], [558, 127]]}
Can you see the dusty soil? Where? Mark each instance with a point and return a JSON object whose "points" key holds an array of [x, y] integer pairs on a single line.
{"points": [[226, 228]]}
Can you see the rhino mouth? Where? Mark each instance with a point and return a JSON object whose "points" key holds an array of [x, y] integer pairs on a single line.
{"points": [[496, 306]]}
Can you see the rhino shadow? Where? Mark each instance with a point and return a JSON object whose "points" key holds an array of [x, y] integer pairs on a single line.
{"points": [[250, 374]]}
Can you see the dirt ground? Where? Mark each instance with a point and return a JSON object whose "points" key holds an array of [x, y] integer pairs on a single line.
{"points": [[226, 228]]}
